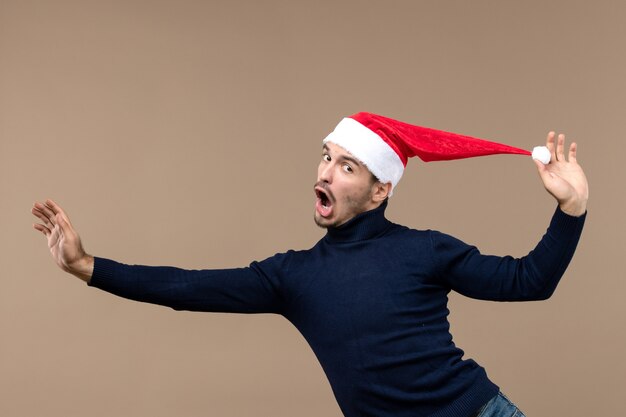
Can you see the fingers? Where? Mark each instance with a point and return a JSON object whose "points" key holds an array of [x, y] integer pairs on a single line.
{"points": [[556, 146], [550, 145], [540, 166], [48, 213], [572, 152], [43, 229], [542, 169], [560, 155], [45, 214], [48, 227], [66, 229], [52, 217], [56, 209]]}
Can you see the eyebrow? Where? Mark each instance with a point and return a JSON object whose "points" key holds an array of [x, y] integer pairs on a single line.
{"points": [[344, 157]]}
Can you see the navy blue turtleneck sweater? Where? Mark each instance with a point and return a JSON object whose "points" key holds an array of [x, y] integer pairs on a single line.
{"points": [[371, 300]]}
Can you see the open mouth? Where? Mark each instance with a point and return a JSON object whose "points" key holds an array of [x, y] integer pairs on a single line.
{"points": [[323, 205]]}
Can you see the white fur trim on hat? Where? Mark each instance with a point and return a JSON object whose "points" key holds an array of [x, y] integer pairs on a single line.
{"points": [[370, 149]]}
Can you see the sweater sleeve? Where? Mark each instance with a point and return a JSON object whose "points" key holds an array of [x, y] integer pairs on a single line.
{"points": [[533, 277], [254, 289]]}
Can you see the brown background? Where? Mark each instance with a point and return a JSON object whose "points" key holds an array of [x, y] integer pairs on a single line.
{"points": [[188, 133]]}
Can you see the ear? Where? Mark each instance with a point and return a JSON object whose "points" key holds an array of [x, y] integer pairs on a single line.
{"points": [[380, 191]]}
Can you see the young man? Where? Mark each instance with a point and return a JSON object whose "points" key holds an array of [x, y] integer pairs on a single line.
{"points": [[371, 296]]}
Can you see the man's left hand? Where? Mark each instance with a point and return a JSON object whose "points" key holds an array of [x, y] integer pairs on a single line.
{"points": [[564, 179]]}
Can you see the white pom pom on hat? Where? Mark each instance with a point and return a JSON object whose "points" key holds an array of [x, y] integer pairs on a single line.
{"points": [[384, 145], [541, 154]]}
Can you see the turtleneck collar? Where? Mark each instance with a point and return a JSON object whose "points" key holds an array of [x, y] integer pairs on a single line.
{"points": [[363, 226]]}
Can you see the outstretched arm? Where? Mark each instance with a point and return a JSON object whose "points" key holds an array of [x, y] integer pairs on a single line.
{"points": [[564, 178], [63, 241], [254, 289], [535, 276]]}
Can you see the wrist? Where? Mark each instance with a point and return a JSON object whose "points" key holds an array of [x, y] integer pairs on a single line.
{"points": [[574, 208], [83, 268]]}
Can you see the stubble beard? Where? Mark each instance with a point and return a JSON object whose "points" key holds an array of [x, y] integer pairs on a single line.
{"points": [[357, 205]]}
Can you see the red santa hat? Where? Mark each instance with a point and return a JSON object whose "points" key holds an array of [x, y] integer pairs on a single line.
{"points": [[384, 145]]}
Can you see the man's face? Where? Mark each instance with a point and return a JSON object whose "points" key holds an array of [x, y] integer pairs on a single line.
{"points": [[344, 187]]}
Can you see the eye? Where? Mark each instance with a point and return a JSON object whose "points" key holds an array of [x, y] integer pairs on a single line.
{"points": [[326, 157], [347, 168]]}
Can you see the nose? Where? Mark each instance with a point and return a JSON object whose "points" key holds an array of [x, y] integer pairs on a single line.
{"points": [[325, 172]]}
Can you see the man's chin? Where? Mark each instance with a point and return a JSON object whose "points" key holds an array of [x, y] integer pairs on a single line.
{"points": [[322, 222]]}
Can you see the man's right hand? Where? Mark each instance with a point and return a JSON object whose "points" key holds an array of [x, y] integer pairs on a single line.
{"points": [[63, 241]]}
